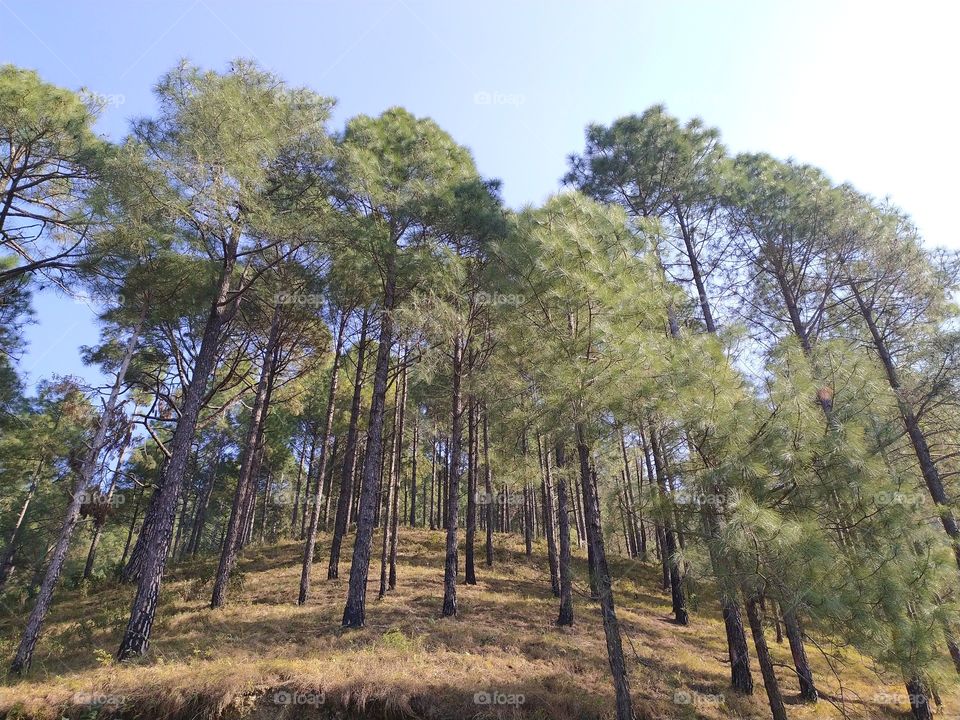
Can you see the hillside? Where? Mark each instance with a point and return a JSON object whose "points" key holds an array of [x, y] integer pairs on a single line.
{"points": [[264, 657]]}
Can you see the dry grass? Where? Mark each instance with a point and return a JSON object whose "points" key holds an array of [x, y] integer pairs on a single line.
{"points": [[407, 661]]}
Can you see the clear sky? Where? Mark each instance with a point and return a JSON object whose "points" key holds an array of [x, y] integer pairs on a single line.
{"points": [[861, 89]]}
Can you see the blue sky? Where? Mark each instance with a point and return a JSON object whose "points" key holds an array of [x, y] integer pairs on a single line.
{"points": [[861, 89]]}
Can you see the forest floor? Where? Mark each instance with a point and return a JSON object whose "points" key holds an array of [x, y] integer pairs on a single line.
{"points": [[262, 656]]}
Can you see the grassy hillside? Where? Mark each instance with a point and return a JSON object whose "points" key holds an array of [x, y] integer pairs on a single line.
{"points": [[264, 657]]}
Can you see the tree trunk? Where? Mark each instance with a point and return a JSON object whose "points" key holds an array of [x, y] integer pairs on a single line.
{"points": [[488, 487], [413, 467], [931, 475], [228, 554], [563, 521], [453, 486], [311, 542], [919, 698], [548, 517], [611, 627], [355, 609], [398, 461], [770, 684], [470, 574], [31, 633], [391, 493], [433, 477], [107, 498], [345, 498], [7, 561], [296, 492], [808, 691], [670, 548], [136, 637]]}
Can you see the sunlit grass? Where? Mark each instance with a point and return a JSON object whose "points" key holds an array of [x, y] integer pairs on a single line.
{"points": [[262, 649]]}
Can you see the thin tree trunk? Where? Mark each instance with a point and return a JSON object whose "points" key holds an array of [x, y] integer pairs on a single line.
{"points": [[228, 554], [677, 593], [355, 608], [31, 633], [136, 637], [470, 574], [563, 520], [548, 517], [453, 486], [808, 691], [770, 684], [488, 486], [398, 461], [107, 498], [345, 499], [611, 627], [311, 542], [931, 475], [296, 492]]}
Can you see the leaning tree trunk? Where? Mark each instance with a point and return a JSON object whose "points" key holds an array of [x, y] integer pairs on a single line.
{"points": [[345, 498], [928, 468], [808, 691], [7, 561], [31, 632], [136, 637], [228, 554], [770, 684], [311, 542], [919, 697], [611, 627], [354, 610], [107, 499], [563, 561], [453, 485]]}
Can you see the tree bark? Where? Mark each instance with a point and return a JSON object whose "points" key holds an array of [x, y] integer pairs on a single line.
{"points": [[355, 609], [548, 517], [770, 684], [107, 498], [31, 633], [488, 487], [311, 542], [611, 627], [928, 468], [228, 554], [453, 485], [345, 498], [136, 637], [808, 691], [563, 520], [470, 574]]}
